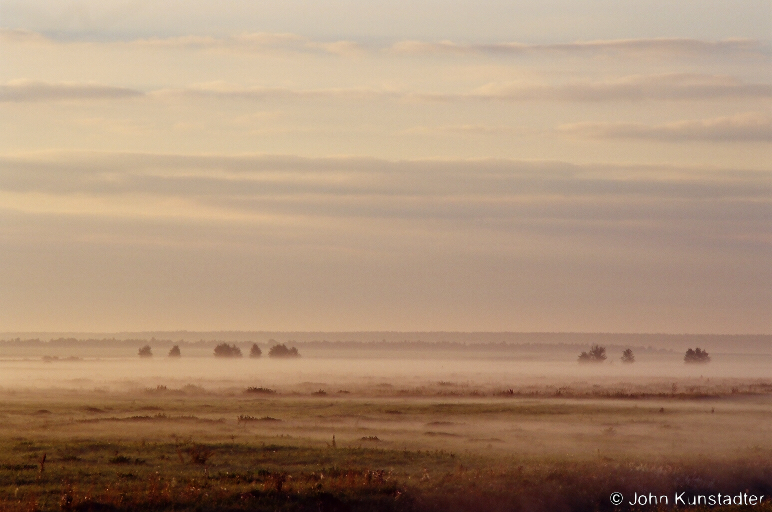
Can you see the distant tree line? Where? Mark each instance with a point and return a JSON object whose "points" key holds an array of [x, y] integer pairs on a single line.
{"points": [[478, 348], [231, 350], [597, 354]]}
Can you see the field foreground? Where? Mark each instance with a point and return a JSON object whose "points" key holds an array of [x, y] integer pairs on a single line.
{"points": [[449, 447]]}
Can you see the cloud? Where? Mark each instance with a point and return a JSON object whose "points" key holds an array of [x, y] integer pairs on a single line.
{"points": [[291, 42], [255, 42], [660, 46], [671, 87], [677, 86], [248, 42], [21, 36], [746, 127], [630, 88], [393, 188], [492, 233], [462, 130], [224, 90], [29, 90], [343, 48]]}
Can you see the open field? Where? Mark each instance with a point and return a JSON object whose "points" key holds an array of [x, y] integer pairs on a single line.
{"points": [[124, 434]]}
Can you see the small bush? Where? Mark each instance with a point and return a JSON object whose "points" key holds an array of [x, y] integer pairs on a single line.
{"points": [[175, 351], [255, 351], [261, 391], [246, 418], [628, 356], [696, 356], [198, 453], [146, 351], [193, 389], [281, 350], [226, 350], [597, 354]]}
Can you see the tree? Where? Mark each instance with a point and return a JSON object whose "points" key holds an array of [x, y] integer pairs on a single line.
{"points": [[255, 351], [281, 350], [225, 350], [627, 356], [145, 351], [175, 351], [696, 356], [597, 354]]}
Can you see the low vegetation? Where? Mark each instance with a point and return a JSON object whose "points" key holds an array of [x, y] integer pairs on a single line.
{"points": [[245, 417], [296, 441], [261, 391], [204, 477], [291, 452]]}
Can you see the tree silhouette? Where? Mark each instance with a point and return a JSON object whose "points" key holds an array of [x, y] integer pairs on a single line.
{"points": [[145, 351], [696, 356], [225, 350], [627, 356], [255, 351], [175, 351], [281, 350], [597, 354]]}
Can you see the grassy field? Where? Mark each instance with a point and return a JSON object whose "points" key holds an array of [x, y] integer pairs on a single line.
{"points": [[443, 447]]}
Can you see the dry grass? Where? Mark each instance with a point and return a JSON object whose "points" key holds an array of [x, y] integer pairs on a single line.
{"points": [[561, 446], [241, 476]]}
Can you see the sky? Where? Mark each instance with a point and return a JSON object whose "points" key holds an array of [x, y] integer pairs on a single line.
{"points": [[554, 166]]}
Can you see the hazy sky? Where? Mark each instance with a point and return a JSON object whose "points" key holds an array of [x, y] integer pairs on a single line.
{"points": [[425, 165]]}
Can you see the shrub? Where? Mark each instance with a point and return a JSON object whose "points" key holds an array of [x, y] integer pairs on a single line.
{"points": [[262, 391], [199, 454], [281, 350], [627, 356], [597, 354], [145, 351], [696, 356], [255, 351], [245, 418], [175, 351], [226, 350]]}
